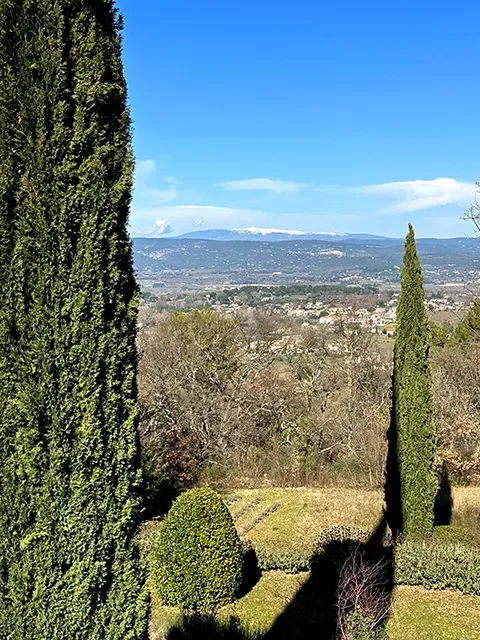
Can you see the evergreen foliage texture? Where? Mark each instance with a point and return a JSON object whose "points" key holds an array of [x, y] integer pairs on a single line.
{"points": [[198, 555], [69, 464], [410, 464], [469, 328]]}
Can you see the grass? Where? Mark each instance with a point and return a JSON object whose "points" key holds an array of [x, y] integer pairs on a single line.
{"points": [[417, 614], [304, 513]]}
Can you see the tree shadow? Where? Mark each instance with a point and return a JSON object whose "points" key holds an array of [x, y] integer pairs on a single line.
{"points": [[393, 499], [443, 500], [251, 572], [197, 626], [158, 497], [347, 577], [341, 575]]}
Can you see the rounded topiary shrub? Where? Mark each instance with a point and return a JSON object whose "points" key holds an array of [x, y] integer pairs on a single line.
{"points": [[198, 555]]}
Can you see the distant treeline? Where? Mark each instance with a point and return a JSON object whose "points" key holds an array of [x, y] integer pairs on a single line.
{"points": [[282, 291], [259, 295]]}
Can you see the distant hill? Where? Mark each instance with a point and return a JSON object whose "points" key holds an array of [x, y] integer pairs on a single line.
{"points": [[272, 235], [336, 259]]}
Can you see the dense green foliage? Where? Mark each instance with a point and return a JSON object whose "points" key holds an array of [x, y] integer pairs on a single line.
{"points": [[363, 627], [450, 534], [69, 473], [273, 558], [469, 328], [412, 433], [198, 555], [341, 533], [449, 559]]}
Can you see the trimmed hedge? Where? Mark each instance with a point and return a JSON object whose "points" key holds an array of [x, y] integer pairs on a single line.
{"points": [[450, 534], [449, 559], [282, 559], [341, 533], [198, 555], [295, 560]]}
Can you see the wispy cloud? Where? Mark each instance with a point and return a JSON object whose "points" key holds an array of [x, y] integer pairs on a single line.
{"points": [[145, 175], [263, 184], [417, 195], [161, 196], [145, 167]]}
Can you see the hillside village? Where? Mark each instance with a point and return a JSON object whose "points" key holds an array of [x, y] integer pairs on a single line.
{"points": [[376, 312]]}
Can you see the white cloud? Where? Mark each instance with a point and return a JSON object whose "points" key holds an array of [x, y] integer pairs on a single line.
{"points": [[145, 167], [416, 195], [186, 217], [263, 184], [162, 227]]}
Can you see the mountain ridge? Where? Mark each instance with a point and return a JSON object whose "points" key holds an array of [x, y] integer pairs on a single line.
{"points": [[271, 235]]}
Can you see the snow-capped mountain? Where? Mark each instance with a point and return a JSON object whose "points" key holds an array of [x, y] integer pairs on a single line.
{"points": [[273, 235]]}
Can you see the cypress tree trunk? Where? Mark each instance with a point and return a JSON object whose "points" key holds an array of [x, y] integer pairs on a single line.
{"points": [[412, 434], [69, 464]]}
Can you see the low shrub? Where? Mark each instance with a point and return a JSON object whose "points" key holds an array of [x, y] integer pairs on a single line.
{"points": [[341, 533], [451, 534], [272, 558], [261, 516], [449, 559], [241, 512], [198, 556], [363, 627], [363, 595]]}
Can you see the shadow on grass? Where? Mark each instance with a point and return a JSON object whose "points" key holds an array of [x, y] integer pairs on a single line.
{"points": [[393, 497], [443, 500], [251, 572], [208, 627], [347, 574], [346, 577]]}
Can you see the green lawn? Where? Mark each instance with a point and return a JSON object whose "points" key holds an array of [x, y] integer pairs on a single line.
{"points": [[417, 614], [304, 513]]}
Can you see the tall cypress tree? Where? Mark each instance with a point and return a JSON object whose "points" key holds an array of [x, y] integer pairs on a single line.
{"points": [[411, 482], [69, 464]]}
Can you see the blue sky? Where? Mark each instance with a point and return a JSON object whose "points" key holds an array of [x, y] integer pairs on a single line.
{"points": [[306, 114]]}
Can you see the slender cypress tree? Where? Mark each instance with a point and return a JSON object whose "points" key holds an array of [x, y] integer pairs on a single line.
{"points": [[69, 464], [412, 433]]}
